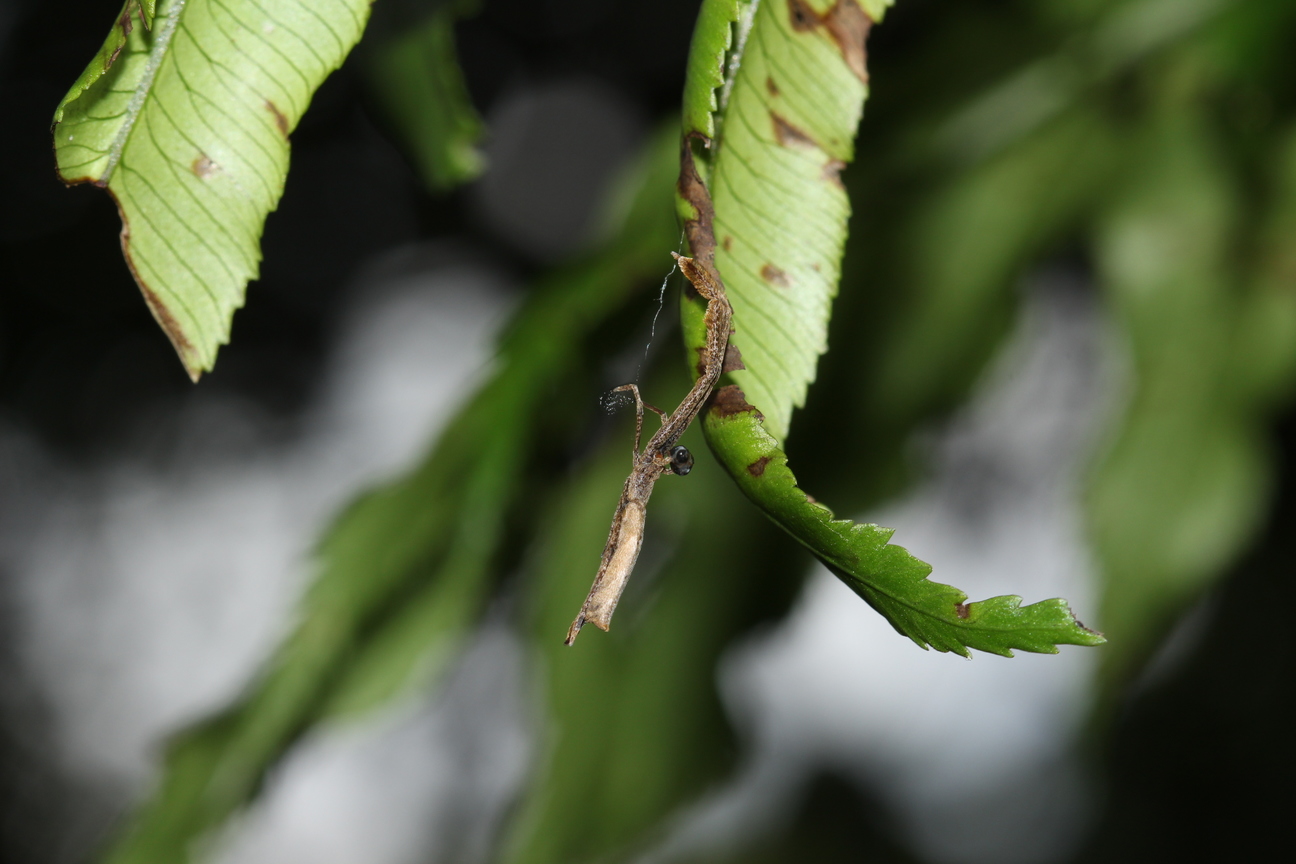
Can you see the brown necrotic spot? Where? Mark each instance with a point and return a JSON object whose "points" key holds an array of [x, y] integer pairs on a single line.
{"points": [[788, 135], [803, 16], [730, 400], [701, 235], [846, 24], [832, 172], [203, 166], [771, 86], [727, 243], [757, 468], [732, 359], [849, 27], [280, 120], [961, 610], [775, 276]]}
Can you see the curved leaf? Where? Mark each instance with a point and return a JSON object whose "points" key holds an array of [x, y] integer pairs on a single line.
{"points": [[134, 13], [892, 581], [714, 45], [786, 131], [186, 123]]}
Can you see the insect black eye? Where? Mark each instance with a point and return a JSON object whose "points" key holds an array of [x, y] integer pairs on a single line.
{"points": [[681, 460]]}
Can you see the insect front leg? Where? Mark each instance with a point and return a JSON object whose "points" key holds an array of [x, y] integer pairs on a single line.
{"points": [[640, 404]]}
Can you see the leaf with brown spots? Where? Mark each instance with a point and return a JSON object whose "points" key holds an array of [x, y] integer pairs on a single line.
{"points": [[185, 121], [890, 579], [784, 128], [771, 183]]}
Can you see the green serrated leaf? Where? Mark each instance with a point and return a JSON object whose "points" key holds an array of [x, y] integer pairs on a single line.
{"points": [[712, 39], [418, 79], [186, 124], [892, 581], [787, 131]]}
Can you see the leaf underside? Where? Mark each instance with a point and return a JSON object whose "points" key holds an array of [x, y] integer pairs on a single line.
{"points": [[785, 133], [184, 117], [779, 230]]}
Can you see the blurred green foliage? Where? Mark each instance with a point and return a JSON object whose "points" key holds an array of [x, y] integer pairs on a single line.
{"points": [[415, 74], [1151, 143]]}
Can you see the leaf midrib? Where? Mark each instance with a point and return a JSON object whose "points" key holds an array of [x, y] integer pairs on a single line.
{"points": [[157, 54]]}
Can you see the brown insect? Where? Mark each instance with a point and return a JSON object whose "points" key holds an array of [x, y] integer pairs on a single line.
{"points": [[662, 454]]}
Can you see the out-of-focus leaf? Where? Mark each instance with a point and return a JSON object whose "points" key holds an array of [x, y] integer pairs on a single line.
{"points": [[965, 247], [408, 567], [1265, 357], [930, 289], [186, 123], [418, 79], [1120, 37], [1184, 483], [636, 726]]}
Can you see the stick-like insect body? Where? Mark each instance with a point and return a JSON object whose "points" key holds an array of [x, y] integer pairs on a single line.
{"points": [[660, 455]]}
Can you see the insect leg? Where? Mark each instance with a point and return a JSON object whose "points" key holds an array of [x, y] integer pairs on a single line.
{"points": [[640, 405]]}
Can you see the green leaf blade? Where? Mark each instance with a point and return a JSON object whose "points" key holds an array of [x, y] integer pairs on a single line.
{"points": [[1183, 485], [781, 210], [891, 580], [777, 238], [187, 127], [712, 41]]}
